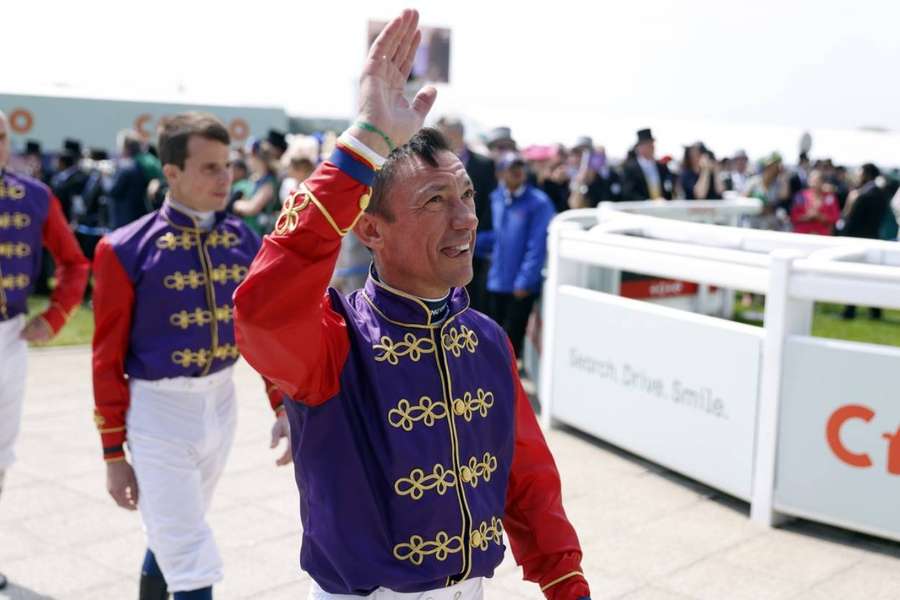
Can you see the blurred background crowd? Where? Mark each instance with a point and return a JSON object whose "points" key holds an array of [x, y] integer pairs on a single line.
{"points": [[518, 190]]}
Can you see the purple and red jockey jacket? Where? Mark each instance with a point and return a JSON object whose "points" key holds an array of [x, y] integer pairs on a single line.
{"points": [[31, 218], [416, 450], [163, 307]]}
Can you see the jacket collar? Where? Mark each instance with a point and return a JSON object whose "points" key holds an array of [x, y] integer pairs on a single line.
{"points": [[405, 309], [182, 220]]}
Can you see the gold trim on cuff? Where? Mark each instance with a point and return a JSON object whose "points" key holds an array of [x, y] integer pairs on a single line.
{"points": [[561, 579]]}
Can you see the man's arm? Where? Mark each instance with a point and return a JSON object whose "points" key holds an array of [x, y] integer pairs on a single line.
{"points": [[543, 541], [284, 323], [71, 268], [529, 275], [113, 302]]}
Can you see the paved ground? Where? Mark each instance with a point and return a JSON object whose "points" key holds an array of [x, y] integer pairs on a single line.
{"points": [[647, 534]]}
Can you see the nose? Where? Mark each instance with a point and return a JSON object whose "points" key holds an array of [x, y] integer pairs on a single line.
{"points": [[464, 218]]}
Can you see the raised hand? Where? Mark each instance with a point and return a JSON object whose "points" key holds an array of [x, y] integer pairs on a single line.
{"points": [[381, 101]]}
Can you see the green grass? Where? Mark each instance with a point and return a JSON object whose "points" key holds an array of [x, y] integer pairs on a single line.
{"points": [[78, 329], [827, 323]]}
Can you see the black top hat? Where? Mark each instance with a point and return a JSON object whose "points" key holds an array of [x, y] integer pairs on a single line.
{"points": [[32, 147], [277, 139], [645, 135], [99, 154], [73, 146]]}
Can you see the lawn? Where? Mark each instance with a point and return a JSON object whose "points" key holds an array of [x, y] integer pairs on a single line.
{"points": [[78, 330], [827, 323]]}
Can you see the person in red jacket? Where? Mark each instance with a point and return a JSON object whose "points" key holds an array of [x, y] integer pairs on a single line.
{"points": [[31, 218], [416, 450]]}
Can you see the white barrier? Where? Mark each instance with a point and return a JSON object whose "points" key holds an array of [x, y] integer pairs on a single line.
{"points": [[795, 424]]}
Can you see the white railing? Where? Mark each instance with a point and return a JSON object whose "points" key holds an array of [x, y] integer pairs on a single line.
{"points": [[617, 368]]}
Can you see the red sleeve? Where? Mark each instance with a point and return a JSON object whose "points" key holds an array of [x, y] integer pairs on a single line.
{"points": [[543, 541], [71, 267], [113, 302], [276, 398], [285, 325], [833, 211]]}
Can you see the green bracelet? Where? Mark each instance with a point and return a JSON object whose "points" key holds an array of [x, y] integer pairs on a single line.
{"points": [[375, 130]]}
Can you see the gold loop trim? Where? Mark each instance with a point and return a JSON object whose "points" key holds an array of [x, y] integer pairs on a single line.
{"points": [[443, 544], [13, 192], [410, 346], [289, 218], [195, 279], [455, 341], [185, 240], [201, 357], [184, 319], [16, 220], [405, 415], [441, 478], [15, 282], [468, 405], [415, 486], [15, 250]]}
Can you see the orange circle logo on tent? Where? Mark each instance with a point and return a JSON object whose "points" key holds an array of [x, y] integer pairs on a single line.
{"points": [[21, 120], [239, 129]]}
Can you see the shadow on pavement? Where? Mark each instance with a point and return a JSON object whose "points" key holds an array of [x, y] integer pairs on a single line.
{"points": [[15, 592]]}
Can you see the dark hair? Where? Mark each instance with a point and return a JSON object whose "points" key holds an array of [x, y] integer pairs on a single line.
{"points": [[175, 132], [426, 145], [870, 171]]}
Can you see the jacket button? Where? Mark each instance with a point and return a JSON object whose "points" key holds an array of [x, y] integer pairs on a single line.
{"points": [[364, 201], [459, 407], [476, 539], [466, 474]]}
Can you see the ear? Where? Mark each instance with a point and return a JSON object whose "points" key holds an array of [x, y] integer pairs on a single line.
{"points": [[171, 172], [370, 230]]}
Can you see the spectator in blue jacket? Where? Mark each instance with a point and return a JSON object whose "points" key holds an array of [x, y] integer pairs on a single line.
{"points": [[518, 245]]}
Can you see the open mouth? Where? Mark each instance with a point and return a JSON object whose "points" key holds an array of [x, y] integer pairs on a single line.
{"points": [[457, 251]]}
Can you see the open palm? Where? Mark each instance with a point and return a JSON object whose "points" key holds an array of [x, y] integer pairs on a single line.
{"points": [[387, 68]]}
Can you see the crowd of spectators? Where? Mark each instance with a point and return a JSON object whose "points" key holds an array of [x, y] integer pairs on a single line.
{"points": [[517, 191]]}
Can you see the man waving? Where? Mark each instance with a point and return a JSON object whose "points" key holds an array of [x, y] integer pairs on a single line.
{"points": [[415, 448]]}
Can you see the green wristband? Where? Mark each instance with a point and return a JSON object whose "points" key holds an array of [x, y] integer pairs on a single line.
{"points": [[375, 130]]}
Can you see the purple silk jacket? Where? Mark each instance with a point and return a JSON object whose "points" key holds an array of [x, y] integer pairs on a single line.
{"points": [[445, 403], [183, 280], [24, 206]]}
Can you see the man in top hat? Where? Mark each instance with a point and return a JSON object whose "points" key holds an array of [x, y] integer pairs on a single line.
{"points": [[163, 354], [30, 219], [277, 142], [416, 450], [644, 177], [69, 181]]}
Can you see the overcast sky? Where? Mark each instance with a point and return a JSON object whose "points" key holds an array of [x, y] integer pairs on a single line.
{"points": [[799, 64]]}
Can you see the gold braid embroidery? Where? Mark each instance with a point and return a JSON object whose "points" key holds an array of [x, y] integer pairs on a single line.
{"points": [[13, 192], [418, 548], [15, 250], [14, 282], [418, 482], [480, 403], [201, 357], [184, 319], [195, 279], [441, 479], [289, 218], [427, 411], [226, 239], [482, 469], [443, 545], [16, 220], [454, 341], [170, 241], [410, 346]]}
